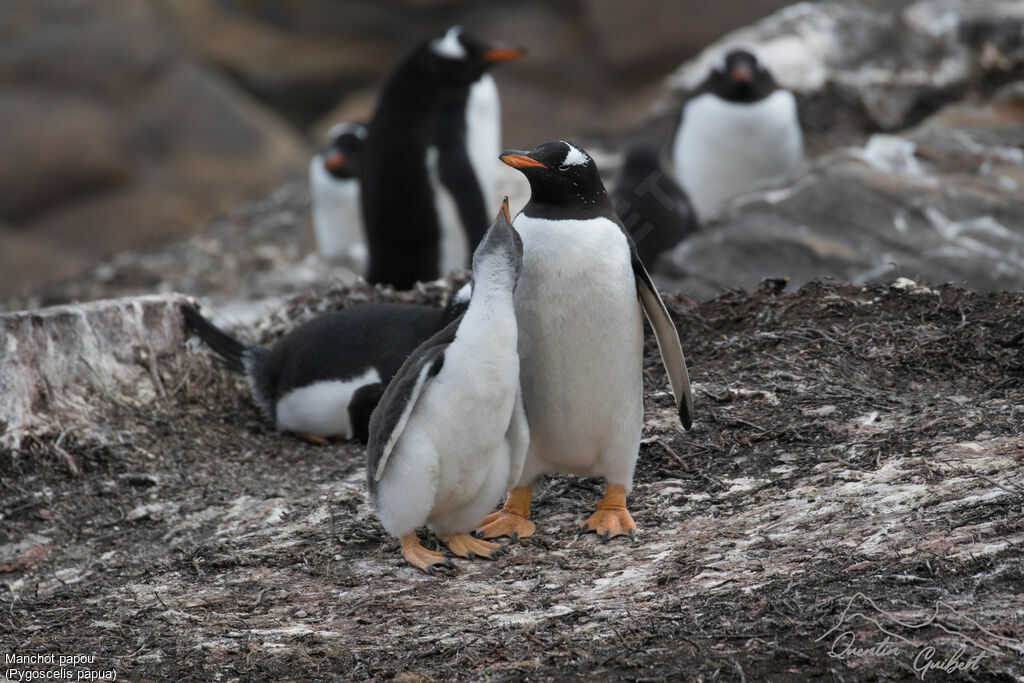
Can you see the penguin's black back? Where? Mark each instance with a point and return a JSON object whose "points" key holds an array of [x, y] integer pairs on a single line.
{"points": [[402, 228], [652, 206], [345, 344]]}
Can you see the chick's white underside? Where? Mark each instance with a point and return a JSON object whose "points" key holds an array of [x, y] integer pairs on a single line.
{"points": [[464, 443]]}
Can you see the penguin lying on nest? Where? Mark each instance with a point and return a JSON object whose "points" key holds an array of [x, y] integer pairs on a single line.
{"points": [[334, 188], [432, 141], [580, 304], [324, 378], [450, 434], [739, 132]]}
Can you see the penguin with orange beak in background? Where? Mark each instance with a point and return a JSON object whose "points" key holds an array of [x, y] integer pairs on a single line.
{"points": [[739, 132], [433, 142], [334, 188]]}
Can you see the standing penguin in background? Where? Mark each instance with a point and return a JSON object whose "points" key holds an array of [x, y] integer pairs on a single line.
{"points": [[580, 304], [653, 208], [334, 187], [324, 378], [739, 131], [450, 434], [419, 149]]}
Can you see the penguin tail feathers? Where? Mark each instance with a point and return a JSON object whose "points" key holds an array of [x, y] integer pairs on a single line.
{"points": [[230, 350]]}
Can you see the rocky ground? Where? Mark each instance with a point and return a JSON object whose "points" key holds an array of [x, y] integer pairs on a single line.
{"points": [[854, 471]]}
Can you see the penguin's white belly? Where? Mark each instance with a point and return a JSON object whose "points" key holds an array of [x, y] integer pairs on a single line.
{"points": [[337, 217], [322, 407], [454, 251], [724, 149], [483, 136], [581, 348], [453, 460]]}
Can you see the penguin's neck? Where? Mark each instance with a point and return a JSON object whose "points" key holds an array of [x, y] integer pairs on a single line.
{"points": [[561, 204], [489, 324]]}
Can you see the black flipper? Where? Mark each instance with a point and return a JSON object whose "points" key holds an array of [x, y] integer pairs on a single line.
{"points": [[396, 405], [459, 178], [361, 407], [665, 333]]}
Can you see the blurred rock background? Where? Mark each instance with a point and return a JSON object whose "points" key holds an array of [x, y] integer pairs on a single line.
{"points": [[126, 123]]}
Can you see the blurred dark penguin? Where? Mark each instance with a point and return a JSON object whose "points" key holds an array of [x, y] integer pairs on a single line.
{"points": [[334, 188], [739, 131], [425, 205], [324, 378], [653, 208]]}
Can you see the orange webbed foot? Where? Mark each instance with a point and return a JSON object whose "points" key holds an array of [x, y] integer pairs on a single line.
{"points": [[421, 558], [471, 547], [512, 520], [317, 439], [612, 518]]}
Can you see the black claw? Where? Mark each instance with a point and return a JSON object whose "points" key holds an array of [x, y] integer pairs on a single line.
{"points": [[632, 535], [448, 563], [470, 555], [514, 536], [584, 528], [495, 554], [606, 535], [430, 570], [476, 533]]}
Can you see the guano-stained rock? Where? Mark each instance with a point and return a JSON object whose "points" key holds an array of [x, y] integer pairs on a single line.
{"points": [[65, 367]]}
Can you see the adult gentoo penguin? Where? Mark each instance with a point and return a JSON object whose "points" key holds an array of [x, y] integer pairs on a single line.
{"points": [[324, 378], [581, 338], [739, 131], [334, 186], [419, 149], [450, 434], [654, 209]]}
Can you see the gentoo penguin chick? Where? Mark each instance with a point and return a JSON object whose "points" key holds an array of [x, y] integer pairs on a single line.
{"points": [[334, 186], [424, 145], [653, 208], [450, 435], [739, 131], [580, 305], [324, 378]]}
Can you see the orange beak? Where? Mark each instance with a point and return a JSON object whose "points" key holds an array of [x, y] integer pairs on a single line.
{"points": [[334, 161], [518, 160], [504, 209], [742, 74], [503, 54]]}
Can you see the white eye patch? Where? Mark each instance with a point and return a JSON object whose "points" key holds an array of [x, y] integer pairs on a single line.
{"points": [[575, 156], [450, 46]]}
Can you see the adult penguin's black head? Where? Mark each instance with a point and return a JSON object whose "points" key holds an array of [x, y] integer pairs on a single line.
{"points": [[739, 77], [457, 57], [561, 175], [343, 153]]}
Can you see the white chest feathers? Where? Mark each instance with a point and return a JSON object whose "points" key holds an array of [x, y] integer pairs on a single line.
{"points": [[337, 217], [581, 347], [322, 407], [483, 135], [724, 149]]}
